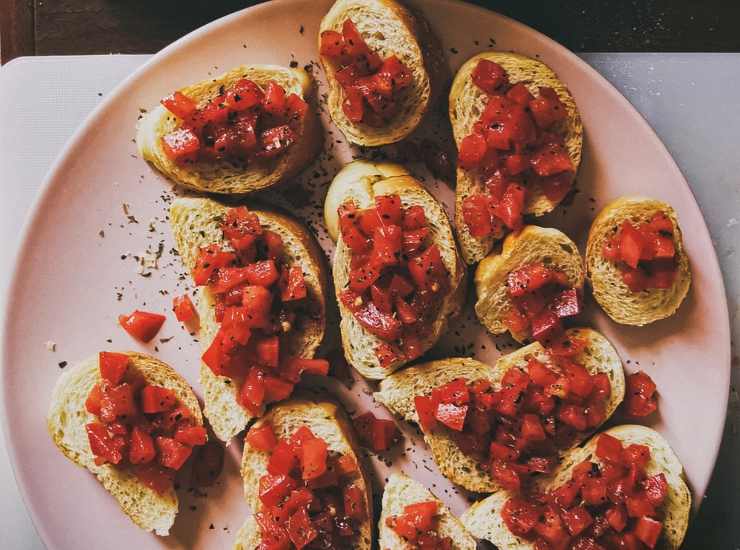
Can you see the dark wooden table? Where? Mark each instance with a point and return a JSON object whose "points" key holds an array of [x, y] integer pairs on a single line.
{"points": [[56, 27]]}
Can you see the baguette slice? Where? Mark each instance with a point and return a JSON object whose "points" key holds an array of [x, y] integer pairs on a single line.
{"points": [[326, 420], [224, 177], [400, 491], [612, 294], [483, 519], [389, 28], [195, 223], [397, 392], [532, 244], [66, 422], [361, 181], [466, 104]]}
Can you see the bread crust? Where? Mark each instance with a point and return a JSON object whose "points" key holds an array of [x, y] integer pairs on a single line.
{"points": [[467, 102], [609, 290], [389, 28], [195, 223], [361, 181], [532, 244], [66, 422], [223, 177], [327, 420], [483, 519], [397, 392]]}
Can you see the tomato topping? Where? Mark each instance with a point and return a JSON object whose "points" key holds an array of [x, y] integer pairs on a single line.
{"points": [[417, 525], [226, 127], [376, 434], [156, 399], [142, 325], [640, 398], [113, 366], [370, 84], [172, 453], [518, 138], [644, 253], [293, 285], [185, 310], [191, 435]]}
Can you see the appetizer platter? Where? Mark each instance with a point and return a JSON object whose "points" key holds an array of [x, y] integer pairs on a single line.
{"points": [[391, 282]]}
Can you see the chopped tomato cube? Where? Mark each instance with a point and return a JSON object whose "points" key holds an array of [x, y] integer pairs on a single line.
{"points": [[141, 447], [472, 151], [142, 325], [425, 410], [638, 505], [252, 392], [274, 488], [609, 449], [511, 207], [331, 44], [477, 216], [94, 398], [181, 146], [547, 109], [210, 259], [293, 285], [276, 389], [648, 531], [455, 392], [640, 399], [172, 453], [257, 302], [102, 445], [267, 350], [519, 93], [263, 273], [387, 241], [354, 503], [313, 458], [520, 516], [577, 519], [656, 488], [532, 429], [191, 435], [282, 460], [528, 279], [156, 399], [112, 366], [574, 416], [180, 105], [184, 309], [116, 402], [376, 434], [489, 76], [300, 529], [451, 415], [293, 367]]}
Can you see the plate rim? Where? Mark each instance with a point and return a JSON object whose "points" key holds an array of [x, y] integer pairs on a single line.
{"points": [[76, 140]]}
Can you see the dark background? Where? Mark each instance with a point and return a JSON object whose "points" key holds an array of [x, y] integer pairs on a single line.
{"points": [[51, 27], [58, 27]]}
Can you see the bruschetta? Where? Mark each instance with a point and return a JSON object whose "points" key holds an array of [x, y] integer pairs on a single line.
{"points": [[636, 261], [304, 481], [412, 518], [133, 422], [398, 276], [243, 131], [383, 67], [262, 305], [493, 427], [623, 489], [519, 137], [532, 286]]}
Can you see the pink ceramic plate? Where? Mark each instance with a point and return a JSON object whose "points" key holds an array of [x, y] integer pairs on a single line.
{"points": [[76, 270]]}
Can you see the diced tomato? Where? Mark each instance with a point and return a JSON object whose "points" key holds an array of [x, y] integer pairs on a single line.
{"points": [[640, 399], [545, 325], [102, 445], [192, 436], [551, 159], [180, 105], [210, 259], [499, 451], [142, 325], [387, 241], [609, 449], [184, 309], [505, 475], [262, 438], [528, 279], [141, 447], [489, 76], [117, 401], [313, 458], [352, 106], [282, 460], [172, 453], [274, 488], [656, 488], [573, 416], [156, 399], [547, 109], [257, 302], [354, 502], [472, 151], [267, 350], [426, 409], [181, 145], [451, 415], [532, 429], [293, 285], [293, 367], [520, 516], [376, 434], [511, 207], [252, 392], [112, 366], [577, 519], [276, 389], [477, 216], [648, 531], [455, 392], [94, 398]]}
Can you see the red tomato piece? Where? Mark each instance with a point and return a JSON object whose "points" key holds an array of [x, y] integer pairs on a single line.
{"points": [[257, 302], [263, 273], [353, 106], [331, 44], [389, 209], [94, 398], [577, 519], [656, 488], [300, 529], [184, 309], [547, 109], [155, 477], [156, 399], [574, 416], [472, 151], [276, 389], [640, 395], [532, 429], [511, 207], [191, 436], [528, 279], [172, 453], [648, 531], [181, 145], [489, 76], [354, 502], [142, 325], [477, 215], [274, 488], [102, 445], [313, 458], [282, 460], [375, 433], [551, 159], [273, 102], [609, 449], [545, 325], [293, 367], [141, 447], [414, 218], [451, 415], [113, 366], [455, 392], [210, 259], [387, 241], [293, 285], [267, 350], [426, 409], [382, 298], [520, 516], [180, 105], [117, 401]]}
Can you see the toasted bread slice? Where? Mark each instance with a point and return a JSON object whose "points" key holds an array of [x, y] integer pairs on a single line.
{"points": [[400, 491], [612, 294], [397, 392], [66, 422], [225, 177], [532, 244], [483, 519], [388, 28], [360, 182], [326, 420], [467, 102], [195, 223]]}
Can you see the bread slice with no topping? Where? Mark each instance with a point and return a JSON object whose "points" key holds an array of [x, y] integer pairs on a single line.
{"points": [[66, 422], [326, 420], [401, 491], [532, 244], [361, 182], [467, 103], [483, 519], [195, 223], [397, 392], [388, 28], [222, 176], [610, 291]]}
